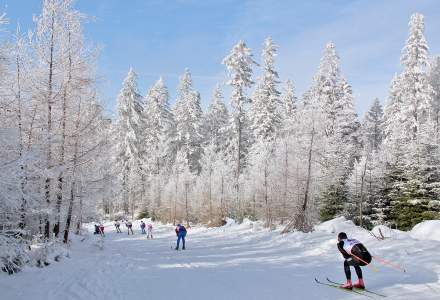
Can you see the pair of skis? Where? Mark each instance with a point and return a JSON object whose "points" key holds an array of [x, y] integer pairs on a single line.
{"points": [[363, 292]]}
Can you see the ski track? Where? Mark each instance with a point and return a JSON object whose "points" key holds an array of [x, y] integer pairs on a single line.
{"points": [[236, 262]]}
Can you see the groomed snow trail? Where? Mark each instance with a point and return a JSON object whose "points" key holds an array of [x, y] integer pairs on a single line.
{"points": [[233, 262]]}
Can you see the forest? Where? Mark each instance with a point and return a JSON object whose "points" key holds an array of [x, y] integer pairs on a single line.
{"points": [[259, 151]]}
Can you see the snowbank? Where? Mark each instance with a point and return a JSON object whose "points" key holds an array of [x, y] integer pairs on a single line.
{"points": [[336, 225], [427, 230]]}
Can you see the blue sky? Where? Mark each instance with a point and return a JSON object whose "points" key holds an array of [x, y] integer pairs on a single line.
{"points": [[164, 37]]}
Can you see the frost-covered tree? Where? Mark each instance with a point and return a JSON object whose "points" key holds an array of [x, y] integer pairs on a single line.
{"points": [[158, 141], [334, 100], [434, 81], [372, 127], [129, 137], [215, 121], [289, 105], [239, 64], [409, 129], [264, 114], [188, 118]]}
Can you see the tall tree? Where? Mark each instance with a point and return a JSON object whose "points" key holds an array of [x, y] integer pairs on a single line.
{"points": [[129, 136], [265, 113], [188, 117], [239, 65]]}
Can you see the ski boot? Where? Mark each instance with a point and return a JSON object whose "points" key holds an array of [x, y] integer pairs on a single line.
{"points": [[348, 285], [360, 284]]}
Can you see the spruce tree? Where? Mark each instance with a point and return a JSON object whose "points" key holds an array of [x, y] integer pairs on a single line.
{"points": [[129, 136], [188, 118]]}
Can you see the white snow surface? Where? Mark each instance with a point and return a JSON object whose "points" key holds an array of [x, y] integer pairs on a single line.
{"points": [[237, 261], [427, 230]]}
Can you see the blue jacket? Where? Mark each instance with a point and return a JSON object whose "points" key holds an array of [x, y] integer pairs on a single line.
{"points": [[181, 228]]}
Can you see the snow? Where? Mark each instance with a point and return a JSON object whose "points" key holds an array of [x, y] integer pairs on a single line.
{"points": [[427, 230], [237, 261]]}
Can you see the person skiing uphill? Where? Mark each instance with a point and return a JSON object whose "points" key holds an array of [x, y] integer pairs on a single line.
{"points": [[117, 226], [129, 227], [143, 227], [181, 233], [355, 255], [150, 231]]}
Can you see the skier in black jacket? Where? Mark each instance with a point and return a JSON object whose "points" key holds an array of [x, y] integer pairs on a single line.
{"points": [[356, 255]]}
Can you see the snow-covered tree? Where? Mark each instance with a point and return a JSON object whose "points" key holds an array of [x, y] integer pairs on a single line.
{"points": [[215, 121], [334, 99], [264, 114], [129, 137], [372, 127], [409, 128], [158, 142], [239, 64], [434, 81], [188, 118]]}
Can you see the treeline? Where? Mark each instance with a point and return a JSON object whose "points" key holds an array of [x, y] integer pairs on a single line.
{"points": [[53, 130], [273, 156]]}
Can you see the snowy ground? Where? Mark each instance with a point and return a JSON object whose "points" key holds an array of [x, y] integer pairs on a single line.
{"points": [[233, 262]]}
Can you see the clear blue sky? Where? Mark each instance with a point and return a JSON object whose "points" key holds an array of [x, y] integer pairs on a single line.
{"points": [[164, 37]]}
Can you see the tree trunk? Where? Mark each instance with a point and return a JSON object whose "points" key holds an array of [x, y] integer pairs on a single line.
{"points": [[59, 193], [75, 165], [299, 220], [47, 185], [23, 179], [361, 198]]}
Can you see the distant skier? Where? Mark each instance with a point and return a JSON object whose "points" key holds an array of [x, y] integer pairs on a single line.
{"points": [[181, 233], [118, 227], [97, 230], [356, 255], [149, 231], [143, 227], [101, 230], [129, 227]]}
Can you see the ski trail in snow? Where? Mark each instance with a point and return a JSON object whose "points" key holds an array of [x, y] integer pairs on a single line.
{"points": [[236, 262]]}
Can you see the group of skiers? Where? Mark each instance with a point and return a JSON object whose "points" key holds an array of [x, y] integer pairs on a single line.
{"points": [[354, 252], [129, 226], [180, 230]]}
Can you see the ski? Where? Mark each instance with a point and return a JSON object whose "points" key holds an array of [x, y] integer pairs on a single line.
{"points": [[365, 290], [341, 289]]}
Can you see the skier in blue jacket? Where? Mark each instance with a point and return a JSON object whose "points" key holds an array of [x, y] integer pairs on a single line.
{"points": [[181, 233]]}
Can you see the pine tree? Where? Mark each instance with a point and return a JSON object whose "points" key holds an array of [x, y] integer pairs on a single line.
{"points": [[412, 134], [215, 121], [333, 97], [288, 108], [372, 127], [188, 117], [158, 143], [239, 64], [265, 113], [434, 81], [129, 134]]}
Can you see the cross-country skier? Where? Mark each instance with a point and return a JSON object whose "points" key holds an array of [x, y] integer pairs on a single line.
{"points": [[117, 226], [97, 230], [129, 227], [101, 229], [143, 227], [355, 255], [181, 233], [149, 231]]}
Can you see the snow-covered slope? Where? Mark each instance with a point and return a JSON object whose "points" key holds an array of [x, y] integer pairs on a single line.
{"points": [[237, 261]]}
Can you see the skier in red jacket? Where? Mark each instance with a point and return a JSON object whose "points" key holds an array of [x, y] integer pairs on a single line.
{"points": [[356, 255]]}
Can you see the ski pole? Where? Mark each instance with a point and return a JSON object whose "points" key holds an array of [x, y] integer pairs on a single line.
{"points": [[368, 264], [387, 262]]}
